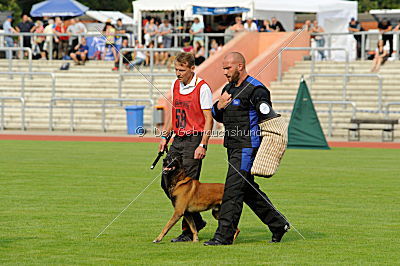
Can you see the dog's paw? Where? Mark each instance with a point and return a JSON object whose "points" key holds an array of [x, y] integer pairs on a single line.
{"points": [[156, 241]]}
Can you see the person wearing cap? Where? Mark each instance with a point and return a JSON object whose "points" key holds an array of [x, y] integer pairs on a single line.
{"points": [[250, 25], [355, 26], [8, 28]]}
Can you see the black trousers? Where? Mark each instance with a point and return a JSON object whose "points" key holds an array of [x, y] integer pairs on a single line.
{"points": [[238, 190], [389, 38], [186, 146]]}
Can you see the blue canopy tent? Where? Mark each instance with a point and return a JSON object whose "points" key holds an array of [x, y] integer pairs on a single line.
{"points": [[58, 8]]}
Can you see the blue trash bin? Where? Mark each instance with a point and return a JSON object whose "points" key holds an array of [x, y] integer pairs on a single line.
{"points": [[134, 119]]}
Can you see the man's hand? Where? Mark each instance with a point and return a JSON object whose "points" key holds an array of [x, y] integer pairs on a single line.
{"points": [[200, 153], [163, 145], [224, 100]]}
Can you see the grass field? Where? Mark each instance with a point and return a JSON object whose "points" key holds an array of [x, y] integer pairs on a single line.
{"points": [[57, 196]]}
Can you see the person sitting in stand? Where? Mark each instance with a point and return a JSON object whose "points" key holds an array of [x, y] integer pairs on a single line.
{"points": [[139, 57], [381, 55], [199, 53], [80, 52]]}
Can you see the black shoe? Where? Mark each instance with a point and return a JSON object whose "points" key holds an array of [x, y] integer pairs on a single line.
{"points": [[215, 242], [187, 235], [278, 234], [184, 237]]}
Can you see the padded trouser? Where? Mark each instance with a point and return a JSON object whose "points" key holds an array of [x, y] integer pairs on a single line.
{"points": [[186, 146], [238, 190]]}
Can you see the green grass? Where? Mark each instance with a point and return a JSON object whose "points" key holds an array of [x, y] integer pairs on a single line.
{"points": [[55, 197]]}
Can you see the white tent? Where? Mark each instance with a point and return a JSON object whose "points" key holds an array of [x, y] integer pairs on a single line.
{"points": [[103, 16]]}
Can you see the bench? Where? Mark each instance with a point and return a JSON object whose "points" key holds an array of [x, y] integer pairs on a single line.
{"points": [[387, 132]]}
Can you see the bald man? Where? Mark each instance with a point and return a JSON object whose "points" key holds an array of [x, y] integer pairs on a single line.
{"points": [[244, 103]]}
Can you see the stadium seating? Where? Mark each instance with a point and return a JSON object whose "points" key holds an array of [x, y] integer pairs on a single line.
{"points": [[96, 80]]}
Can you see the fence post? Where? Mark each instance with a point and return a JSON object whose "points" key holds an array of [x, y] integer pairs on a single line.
{"points": [[23, 114], [103, 115], [363, 46], [71, 121], [2, 114], [280, 64], [330, 120]]}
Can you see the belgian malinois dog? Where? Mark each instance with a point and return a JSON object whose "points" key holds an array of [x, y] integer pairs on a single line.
{"points": [[188, 195]]}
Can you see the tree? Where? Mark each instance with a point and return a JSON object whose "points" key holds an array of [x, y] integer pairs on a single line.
{"points": [[11, 5], [367, 5]]}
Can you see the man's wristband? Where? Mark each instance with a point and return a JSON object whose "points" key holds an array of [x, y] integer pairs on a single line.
{"points": [[164, 137], [203, 146]]}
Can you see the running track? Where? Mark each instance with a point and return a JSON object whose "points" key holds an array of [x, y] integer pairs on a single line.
{"points": [[381, 145]]}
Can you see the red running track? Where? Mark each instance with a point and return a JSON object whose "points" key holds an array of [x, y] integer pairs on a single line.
{"points": [[380, 145]]}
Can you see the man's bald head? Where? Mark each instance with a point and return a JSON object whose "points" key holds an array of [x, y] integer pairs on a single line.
{"points": [[235, 57], [234, 66]]}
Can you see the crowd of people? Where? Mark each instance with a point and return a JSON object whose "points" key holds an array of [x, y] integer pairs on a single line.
{"points": [[65, 43], [60, 45]]}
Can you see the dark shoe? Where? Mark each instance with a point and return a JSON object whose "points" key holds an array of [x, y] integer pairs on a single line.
{"points": [[215, 242], [278, 234], [184, 237], [187, 235]]}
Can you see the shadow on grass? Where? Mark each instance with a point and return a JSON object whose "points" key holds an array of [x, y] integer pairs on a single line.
{"points": [[7, 241]]}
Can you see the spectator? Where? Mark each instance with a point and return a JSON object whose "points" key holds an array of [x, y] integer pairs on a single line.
{"points": [[49, 39], [381, 55], [61, 41], [385, 26], [138, 56], [126, 55], [38, 42], [109, 32], [196, 29], [26, 26], [8, 28], [199, 53], [73, 30], [238, 26], [397, 27], [250, 25], [80, 52], [187, 48], [80, 26], [320, 40], [307, 26], [276, 25], [156, 56], [120, 29], [165, 29], [214, 47], [265, 27], [150, 32], [355, 26]]}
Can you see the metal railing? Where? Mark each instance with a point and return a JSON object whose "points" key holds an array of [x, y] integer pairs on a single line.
{"points": [[312, 49], [23, 74], [150, 50], [51, 46], [103, 107], [387, 107], [22, 100], [364, 34], [345, 81], [149, 76], [10, 60], [330, 110]]}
